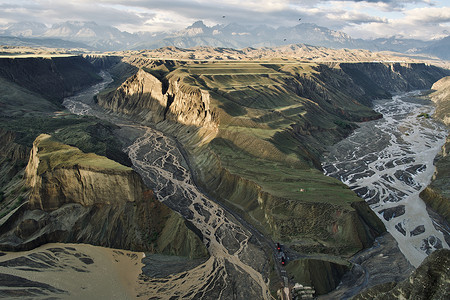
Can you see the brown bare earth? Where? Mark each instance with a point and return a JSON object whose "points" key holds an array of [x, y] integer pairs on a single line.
{"points": [[70, 271], [298, 52], [22, 51]]}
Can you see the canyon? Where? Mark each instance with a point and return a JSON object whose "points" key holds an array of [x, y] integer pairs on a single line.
{"points": [[222, 159]]}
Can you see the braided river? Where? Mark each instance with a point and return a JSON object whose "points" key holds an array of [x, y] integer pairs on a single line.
{"points": [[388, 162]]}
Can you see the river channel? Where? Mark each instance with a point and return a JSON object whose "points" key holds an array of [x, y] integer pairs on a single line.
{"points": [[388, 162], [237, 257]]}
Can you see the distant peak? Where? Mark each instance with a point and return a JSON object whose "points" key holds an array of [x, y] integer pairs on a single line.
{"points": [[198, 24]]}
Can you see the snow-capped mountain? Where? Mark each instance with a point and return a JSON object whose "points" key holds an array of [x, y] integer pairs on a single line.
{"points": [[108, 38]]}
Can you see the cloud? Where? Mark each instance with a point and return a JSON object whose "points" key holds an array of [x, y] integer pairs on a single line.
{"points": [[353, 16], [420, 23], [50, 12], [180, 12], [390, 2], [430, 15]]}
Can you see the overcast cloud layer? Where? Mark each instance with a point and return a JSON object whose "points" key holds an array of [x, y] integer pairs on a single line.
{"points": [[422, 19]]}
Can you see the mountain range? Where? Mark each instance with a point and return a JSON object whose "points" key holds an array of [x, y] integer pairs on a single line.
{"points": [[94, 37]]}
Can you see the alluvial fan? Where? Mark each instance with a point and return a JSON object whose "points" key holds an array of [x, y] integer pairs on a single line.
{"points": [[388, 162]]}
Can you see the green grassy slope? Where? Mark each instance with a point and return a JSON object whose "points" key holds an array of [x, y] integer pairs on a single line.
{"points": [[27, 112], [273, 122], [264, 126], [53, 154]]}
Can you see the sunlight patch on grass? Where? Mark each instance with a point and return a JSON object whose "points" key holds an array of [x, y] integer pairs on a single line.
{"points": [[53, 154]]}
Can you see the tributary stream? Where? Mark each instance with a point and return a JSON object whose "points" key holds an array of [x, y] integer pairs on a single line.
{"points": [[388, 162]]}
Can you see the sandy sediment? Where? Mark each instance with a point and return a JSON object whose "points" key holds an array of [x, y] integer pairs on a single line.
{"points": [[70, 271]]}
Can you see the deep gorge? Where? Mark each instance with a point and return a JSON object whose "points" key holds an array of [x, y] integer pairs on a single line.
{"points": [[238, 156]]}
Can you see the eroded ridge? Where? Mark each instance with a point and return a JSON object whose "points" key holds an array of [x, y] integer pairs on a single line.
{"points": [[388, 162]]}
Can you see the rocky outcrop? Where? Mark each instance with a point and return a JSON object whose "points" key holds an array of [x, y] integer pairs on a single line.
{"points": [[54, 78], [140, 95], [84, 198], [55, 181], [189, 105], [429, 281], [436, 194], [324, 276], [441, 96], [9, 148], [151, 100], [13, 156]]}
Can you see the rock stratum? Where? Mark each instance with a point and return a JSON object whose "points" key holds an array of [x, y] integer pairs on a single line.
{"points": [[304, 52], [85, 198]]}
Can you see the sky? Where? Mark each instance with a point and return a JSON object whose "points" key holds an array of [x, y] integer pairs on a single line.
{"points": [[419, 19]]}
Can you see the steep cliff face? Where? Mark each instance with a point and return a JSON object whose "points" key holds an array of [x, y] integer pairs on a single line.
{"points": [[323, 275], [13, 156], [189, 105], [102, 61], [331, 87], [140, 95], [85, 198], [13, 159], [10, 148], [56, 179], [441, 96], [429, 281], [437, 193], [393, 77], [145, 96], [54, 78]]}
